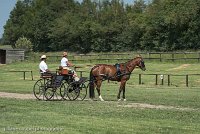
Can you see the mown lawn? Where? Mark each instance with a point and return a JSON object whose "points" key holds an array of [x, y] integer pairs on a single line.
{"points": [[28, 116], [109, 117]]}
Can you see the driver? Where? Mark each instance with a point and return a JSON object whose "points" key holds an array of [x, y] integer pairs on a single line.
{"points": [[43, 66]]}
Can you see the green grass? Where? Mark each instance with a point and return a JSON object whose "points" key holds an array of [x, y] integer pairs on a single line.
{"points": [[110, 117], [93, 117]]}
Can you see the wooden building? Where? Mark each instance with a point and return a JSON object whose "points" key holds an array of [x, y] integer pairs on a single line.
{"points": [[10, 55]]}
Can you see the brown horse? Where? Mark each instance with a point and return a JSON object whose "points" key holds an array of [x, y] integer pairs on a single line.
{"points": [[118, 72]]}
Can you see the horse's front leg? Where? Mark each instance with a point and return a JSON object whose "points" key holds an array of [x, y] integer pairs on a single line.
{"points": [[124, 92], [98, 90], [122, 87], [118, 96]]}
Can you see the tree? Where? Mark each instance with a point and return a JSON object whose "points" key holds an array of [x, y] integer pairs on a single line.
{"points": [[14, 25], [105, 25]]}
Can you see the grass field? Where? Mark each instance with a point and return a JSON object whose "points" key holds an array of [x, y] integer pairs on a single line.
{"points": [[20, 116], [149, 108]]}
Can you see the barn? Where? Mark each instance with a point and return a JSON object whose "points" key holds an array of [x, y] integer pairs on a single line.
{"points": [[10, 55]]}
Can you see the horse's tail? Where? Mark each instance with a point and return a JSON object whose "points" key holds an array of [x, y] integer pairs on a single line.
{"points": [[91, 87]]}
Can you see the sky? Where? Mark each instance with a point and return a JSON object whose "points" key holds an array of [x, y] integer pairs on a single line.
{"points": [[6, 6]]}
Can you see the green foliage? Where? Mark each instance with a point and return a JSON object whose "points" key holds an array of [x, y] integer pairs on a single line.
{"points": [[105, 25], [24, 43]]}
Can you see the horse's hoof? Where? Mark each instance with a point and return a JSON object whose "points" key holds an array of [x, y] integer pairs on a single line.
{"points": [[101, 98], [124, 99], [119, 99]]}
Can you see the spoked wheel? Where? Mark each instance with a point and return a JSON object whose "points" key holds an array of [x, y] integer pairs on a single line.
{"points": [[49, 90], [63, 92], [72, 91], [59, 91], [82, 92], [39, 89]]}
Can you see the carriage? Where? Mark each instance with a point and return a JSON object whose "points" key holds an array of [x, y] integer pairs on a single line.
{"points": [[66, 87], [60, 86]]}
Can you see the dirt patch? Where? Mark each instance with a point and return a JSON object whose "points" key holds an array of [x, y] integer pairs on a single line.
{"points": [[16, 95], [180, 67], [150, 106], [129, 105]]}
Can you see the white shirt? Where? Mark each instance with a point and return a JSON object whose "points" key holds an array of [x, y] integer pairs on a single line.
{"points": [[43, 66], [64, 61]]}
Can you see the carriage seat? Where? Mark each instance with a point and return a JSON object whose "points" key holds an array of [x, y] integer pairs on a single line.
{"points": [[46, 76]]}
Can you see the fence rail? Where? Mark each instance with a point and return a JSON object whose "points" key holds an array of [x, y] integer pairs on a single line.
{"points": [[158, 56], [162, 78]]}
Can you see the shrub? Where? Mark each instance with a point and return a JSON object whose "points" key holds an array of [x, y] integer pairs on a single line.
{"points": [[24, 43]]}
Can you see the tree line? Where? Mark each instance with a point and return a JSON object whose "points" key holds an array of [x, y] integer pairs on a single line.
{"points": [[105, 25]]}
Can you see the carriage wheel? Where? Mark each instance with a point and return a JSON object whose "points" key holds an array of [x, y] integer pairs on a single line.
{"points": [[72, 91], [63, 93], [38, 89], [49, 90], [83, 91], [59, 91]]}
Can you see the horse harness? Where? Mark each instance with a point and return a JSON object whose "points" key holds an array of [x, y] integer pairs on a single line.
{"points": [[121, 72]]}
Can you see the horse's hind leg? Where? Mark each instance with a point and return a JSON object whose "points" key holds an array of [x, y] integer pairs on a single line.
{"points": [[122, 87], [98, 89]]}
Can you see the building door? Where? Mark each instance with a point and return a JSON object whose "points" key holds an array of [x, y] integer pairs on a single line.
{"points": [[2, 56]]}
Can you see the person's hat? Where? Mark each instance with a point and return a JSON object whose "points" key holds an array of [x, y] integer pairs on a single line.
{"points": [[43, 57], [64, 53]]}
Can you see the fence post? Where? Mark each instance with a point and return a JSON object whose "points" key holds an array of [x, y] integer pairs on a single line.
{"points": [[160, 57], [156, 79], [162, 81], [32, 74], [140, 77], [185, 56], [168, 79], [173, 57], [186, 80], [149, 55]]}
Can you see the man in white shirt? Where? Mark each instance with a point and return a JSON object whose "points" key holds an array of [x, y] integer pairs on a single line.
{"points": [[66, 64], [43, 66]]}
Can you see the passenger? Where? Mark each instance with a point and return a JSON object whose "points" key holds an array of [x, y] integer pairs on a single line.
{"points": [[66, 64]]}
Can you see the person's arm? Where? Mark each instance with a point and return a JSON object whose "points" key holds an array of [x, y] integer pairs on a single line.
{"points": [[46, 68], [69, 64]]}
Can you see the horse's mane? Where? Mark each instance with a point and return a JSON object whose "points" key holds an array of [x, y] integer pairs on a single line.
{"points": [[138, 56]]}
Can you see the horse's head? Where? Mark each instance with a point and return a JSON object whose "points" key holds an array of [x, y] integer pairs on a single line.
{"points": [[140, 63]]}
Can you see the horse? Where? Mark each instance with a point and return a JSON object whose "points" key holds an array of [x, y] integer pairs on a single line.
{"points": [[118, 72]]}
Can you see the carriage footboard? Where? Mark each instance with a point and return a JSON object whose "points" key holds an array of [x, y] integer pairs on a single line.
{"points": [[58, 80]]}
